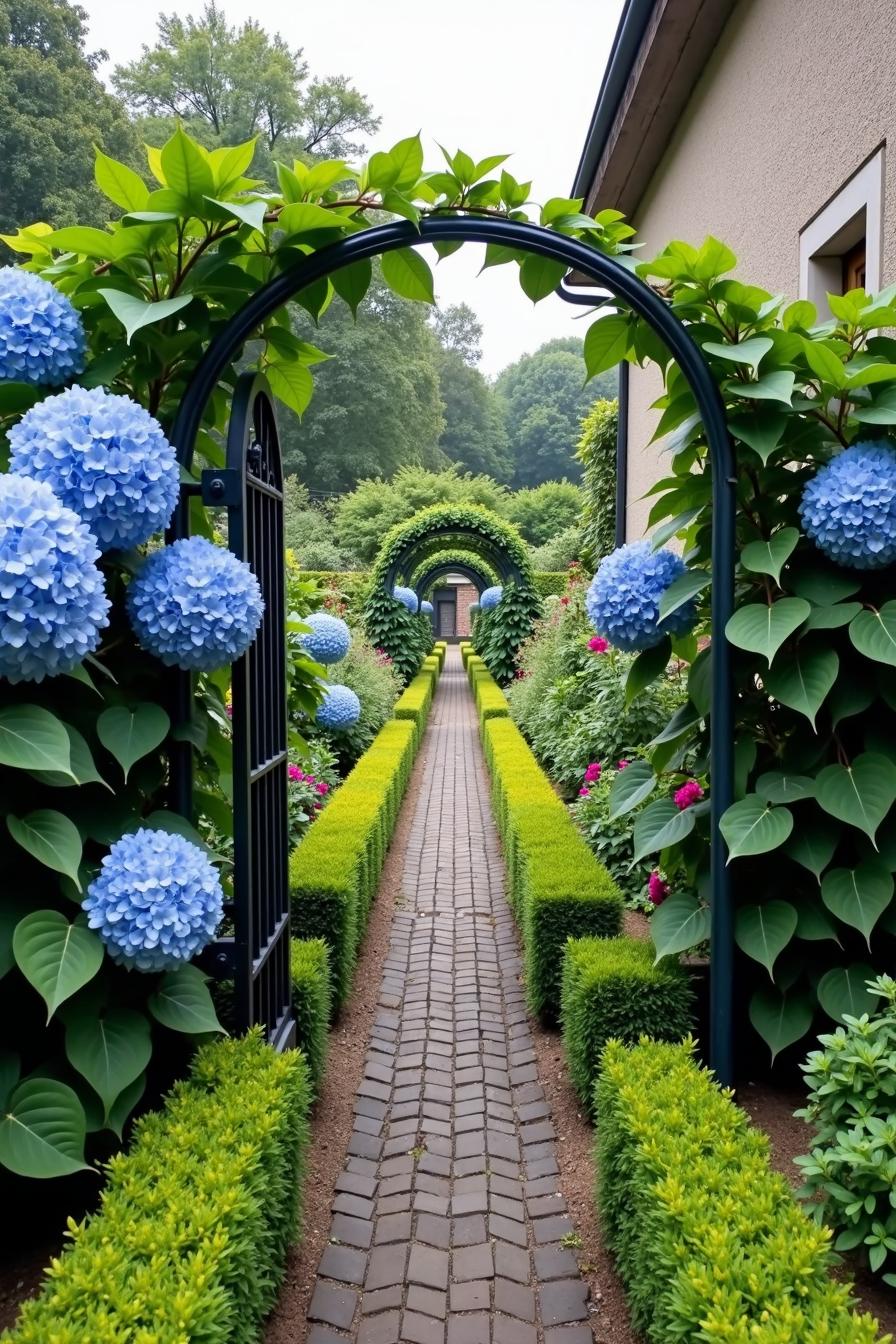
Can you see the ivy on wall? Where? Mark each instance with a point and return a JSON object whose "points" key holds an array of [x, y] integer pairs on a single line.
{"points": [[596, 450]]}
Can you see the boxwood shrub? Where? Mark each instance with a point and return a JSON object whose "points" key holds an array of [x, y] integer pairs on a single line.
{"points": [[312, 1002], [491, 702], [189, 1241], [612, 990], [708, 1240], [415, 700]]}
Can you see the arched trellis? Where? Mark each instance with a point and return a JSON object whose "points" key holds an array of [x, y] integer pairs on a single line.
{"points": [[611, 274], [438, 570]]}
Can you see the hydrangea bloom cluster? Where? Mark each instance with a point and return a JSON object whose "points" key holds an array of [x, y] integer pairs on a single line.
{"points": [[657, 887], [195, 605], [339, 709], [689, 794], [624, 597], [426, 608], [491, 597], [41, 335], [105, 457], [849, 508], [156, 902], [597, 644], [407, 597], [330, 638], [53, 601]]}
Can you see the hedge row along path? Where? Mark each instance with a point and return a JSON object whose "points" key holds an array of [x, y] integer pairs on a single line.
{"points": [[448, 1223]]}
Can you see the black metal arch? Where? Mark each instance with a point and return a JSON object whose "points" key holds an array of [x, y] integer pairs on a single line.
{"points": [[601, 270], [476, 577]]}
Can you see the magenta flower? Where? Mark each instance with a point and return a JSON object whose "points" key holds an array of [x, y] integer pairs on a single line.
{"points": [[584, 793], [322, 788], [657, 887], [620, 765], [597, 644], [689, 794], [592, 774], [294, 772]]}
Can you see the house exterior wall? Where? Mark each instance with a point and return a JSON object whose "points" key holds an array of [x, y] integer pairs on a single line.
{"points": [[797, 95], [467, 594]]}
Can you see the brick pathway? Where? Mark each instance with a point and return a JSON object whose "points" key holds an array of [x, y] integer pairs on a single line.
{"points": [[448, 1225]]}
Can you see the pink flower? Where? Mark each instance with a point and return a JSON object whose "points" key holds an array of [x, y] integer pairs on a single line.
{"points": [[309, 779], [318, 806], [689, 794], [228, 710], [322, 788], [657, 887], [584, 793], [620, 765], [592, 774], [597, 644], [294, 773], [564, 601]]}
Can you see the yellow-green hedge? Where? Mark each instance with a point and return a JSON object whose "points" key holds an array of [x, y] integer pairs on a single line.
{"points": [[440, 649], [557, 888], [312, 1002], [190, 1238], [491, 702], [466, 649], [708, 1240], [415, 700]]}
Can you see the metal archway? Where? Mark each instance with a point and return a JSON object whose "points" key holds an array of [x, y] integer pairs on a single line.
{"points": [[441, 538], [434, 572], [611, 274]]}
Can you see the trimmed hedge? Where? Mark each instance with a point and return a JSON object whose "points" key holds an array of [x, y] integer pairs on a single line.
{"points": [[466, 650], [440, 649], [557, 888], [708, 1240], [491, 701], [415, 700], [190, 1238], [312, 1002], [549, 583], [612, 990]]}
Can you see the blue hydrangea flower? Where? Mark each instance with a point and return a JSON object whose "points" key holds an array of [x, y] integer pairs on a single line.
{"points": [[624, 597], [105, 457], [156, 902], [41, 334], [426, 608], [849, 507], [340, 708], [330, 638], [53, 601], [195, 605], [490, 598], [407, 597]]}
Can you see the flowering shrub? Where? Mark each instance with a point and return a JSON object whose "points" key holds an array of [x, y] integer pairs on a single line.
{"points": [[490, 598], [41, 336], [610, 838], [623, 601], [372, 676], [690, 793], [309, 788], [849, 508], [339, 709], [329, 639], [195, 605], [105, 458], [597, 644], [657, 887], [157, 901], [53, 602], [407, 597]]}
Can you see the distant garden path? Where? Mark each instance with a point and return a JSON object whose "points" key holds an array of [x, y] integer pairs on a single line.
{"points": [[448, 1223]]}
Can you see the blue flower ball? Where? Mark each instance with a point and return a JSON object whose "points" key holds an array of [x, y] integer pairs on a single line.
{"points": [[339, 709], [53, 601], [157, 901], [490, 598], [330, 638], [41, 334], [848, 509], [624, 597], [426, 608], [105, 457], [195, 606], [407, 597]]}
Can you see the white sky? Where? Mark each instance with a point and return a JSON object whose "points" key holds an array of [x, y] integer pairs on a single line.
{"points": [[491, 76]]}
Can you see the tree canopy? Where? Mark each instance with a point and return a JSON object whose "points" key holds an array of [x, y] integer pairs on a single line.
{"points": [[543, 511]]}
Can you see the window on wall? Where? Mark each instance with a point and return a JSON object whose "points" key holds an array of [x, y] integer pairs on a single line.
{"points": [[840, 247]]}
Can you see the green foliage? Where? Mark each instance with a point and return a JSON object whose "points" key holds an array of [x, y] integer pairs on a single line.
{"points": [[500, 632], [550, 583], [312, 1003], [852, 1105], [343, 590], [190, 1238], [597, 453], [613, 991], [557, 889], [708, 1240], [542, 511], [610, 838], [308, 530], [491, 702], [559, 553], [474, 434], [375, 681]]}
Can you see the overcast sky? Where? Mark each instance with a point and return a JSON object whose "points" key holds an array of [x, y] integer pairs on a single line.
{"points": [[490, 76]]}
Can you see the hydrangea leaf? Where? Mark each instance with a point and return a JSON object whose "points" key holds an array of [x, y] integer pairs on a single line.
{"points": [[51, 838], [812, 844], [873, 633], [659, 825], [804, 681], [43, 1130], [778, 786], [135, 313], [751, 826], [770, 557], [110, 1050], [679, 924], [860, 794], [31, 738], [630, 787], [182, 1002], [832, 618], [843, 991], [55, 956], [761, 627], [780, 1019], [858, 896], [648, 665], [83, 766], [130, 732], [814, 924], [762, 431], [682, 590], [763, 931]]}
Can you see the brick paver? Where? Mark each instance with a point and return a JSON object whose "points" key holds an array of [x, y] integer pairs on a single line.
{"points": [[448, 1223]]}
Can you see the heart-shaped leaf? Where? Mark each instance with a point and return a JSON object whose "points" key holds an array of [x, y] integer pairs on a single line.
{"points": [[823, 585], [770, 557], [646, 668], [682, 590], [134, 313], [606, 343], [42, 1131], [51, 839], [803, 682], [777, 786], [56, 957], [812, 845], [763, 931], [630, 787], [858, 896], [860, 794], [680, 923], [659, 825], [749, 352], [31, 738], [780, 1019], [874, 634], [844, 990], [813, 923], [751, 826], [183, 1002], [777, 385], [130, 732], [762, 628], [83, 766], [850, 696], [832, 618], [110, 1050], [762, 430]]}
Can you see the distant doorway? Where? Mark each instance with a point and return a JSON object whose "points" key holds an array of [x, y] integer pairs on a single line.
{"points": [[446, 612]]}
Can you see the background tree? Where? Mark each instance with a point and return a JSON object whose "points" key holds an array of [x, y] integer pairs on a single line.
{"points": [[460, 332], [543, 511], [53, 109], [474, 436]]}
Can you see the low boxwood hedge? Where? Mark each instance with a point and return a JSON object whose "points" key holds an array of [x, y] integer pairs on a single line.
{"points": [[557, 888], [612, 990], [440, 649], [491, 702], [190, 1238], [708, 1240], [466, 650], [312, 1002], [415, 700]]}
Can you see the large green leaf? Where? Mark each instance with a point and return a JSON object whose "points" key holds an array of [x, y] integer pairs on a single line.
{"points": [[110, 1051], [813, 923], [763, 627], [130, 732], [247, 212], [763, 931], [135, 313], [762, 430], [750, 826], [291, 382], [858, 896], [646, 668], [121, 184], [31, 738], [812, 844], [777, 786], [54, 956], [860, 794], [183, 1002], [682, 590], [408, 275], [833, 617], [630, 787], [843, 990], [353, 282], [51, 839], [680, 923], [749, 352], [539, 277], [822, 585], [804, 681], [606, 343], [874, 634], [43, 1130], [777, 385], [780, 1019], [659, 825], [83, 766], [770, 557], [186, 168]]}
